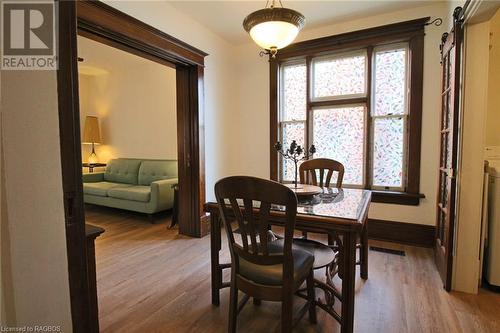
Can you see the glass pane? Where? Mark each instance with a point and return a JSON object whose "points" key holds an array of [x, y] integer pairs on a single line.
{"points": [[388, 141], [293, 131], [444, 115], [339, 134], [294, 92], [390, 82], [339, 76]]}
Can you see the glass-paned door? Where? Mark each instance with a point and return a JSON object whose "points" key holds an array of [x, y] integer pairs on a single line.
{"points": [[450, 103]]}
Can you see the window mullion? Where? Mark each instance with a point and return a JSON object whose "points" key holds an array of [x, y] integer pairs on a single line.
{"points": [[308, 128], [368, 124]]}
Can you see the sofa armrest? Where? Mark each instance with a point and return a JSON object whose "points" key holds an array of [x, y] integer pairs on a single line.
{"points": [[162, 193], [93, 177]]}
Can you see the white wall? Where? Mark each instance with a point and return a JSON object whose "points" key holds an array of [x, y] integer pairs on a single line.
{"points": [[253, 108], [493, 115], [466, 261], [221, 104], [134, 99], [34, 264]]}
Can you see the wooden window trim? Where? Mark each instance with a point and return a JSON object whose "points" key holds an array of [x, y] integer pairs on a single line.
{"points": [[411, 32]]}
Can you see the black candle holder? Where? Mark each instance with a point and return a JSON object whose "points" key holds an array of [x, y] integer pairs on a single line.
{"points": [[293, 154]]}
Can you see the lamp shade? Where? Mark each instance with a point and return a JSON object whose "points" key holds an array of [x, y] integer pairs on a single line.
{"points": [[274, 28], [91, 133]]}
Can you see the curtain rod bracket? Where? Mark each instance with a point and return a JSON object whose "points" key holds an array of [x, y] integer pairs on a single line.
{"points": [[437, 22]]}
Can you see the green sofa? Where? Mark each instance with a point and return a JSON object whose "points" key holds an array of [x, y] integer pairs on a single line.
{"points": [[139, 185]]}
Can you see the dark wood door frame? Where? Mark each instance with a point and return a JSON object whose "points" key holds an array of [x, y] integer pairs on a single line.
{"points": [[105, 24]]}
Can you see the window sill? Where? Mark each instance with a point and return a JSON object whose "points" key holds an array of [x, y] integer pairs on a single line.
{"points": [[398, 198]]}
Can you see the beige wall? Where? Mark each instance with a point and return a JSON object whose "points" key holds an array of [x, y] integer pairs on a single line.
{"points": [[493, 113], [135, 100], [253, 108], [221, 104], [34, 264]]}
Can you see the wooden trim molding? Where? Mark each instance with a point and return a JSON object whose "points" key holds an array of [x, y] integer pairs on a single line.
{"points": [[411, 32], [403, 233], [71, 165], [112, 27], [105, 21]]}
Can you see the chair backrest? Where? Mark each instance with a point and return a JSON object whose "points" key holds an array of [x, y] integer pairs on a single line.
{"points": [[235, 196], [307, 171]]}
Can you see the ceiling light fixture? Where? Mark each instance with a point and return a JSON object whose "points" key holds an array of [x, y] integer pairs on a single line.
{"points": [[273, 28]]}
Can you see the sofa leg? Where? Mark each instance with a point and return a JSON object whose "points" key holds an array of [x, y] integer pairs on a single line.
{"points": [[151, 218]]}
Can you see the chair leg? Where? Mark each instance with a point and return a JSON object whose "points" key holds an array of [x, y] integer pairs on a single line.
{"points": [[304, 234], [311, 297], [287, 313], [233, 307]]}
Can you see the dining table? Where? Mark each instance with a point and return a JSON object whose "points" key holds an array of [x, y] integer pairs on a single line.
{"points": [[341, 212]]}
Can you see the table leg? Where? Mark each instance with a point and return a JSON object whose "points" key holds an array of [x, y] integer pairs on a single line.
{"points": [[215, 247], [364, 252], [348, 281]]}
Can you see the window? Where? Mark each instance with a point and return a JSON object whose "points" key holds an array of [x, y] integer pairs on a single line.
{"points": [[358, 105]]}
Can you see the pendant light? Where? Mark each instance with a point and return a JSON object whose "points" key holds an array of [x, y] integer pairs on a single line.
{"points": [[273, 28]]}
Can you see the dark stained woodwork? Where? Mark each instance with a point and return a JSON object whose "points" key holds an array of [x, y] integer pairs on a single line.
{"points": [[451, 57], [92, 232], [411, 32], [402, 233], [105, 21], [274, 116], [71, 162], [105, 24], [255, 247], [416, 45], [347, 228], [307, 172], [355, 39]]}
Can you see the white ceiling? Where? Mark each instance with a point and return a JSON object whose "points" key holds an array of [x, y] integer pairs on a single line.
{"points": [[225, 18]]}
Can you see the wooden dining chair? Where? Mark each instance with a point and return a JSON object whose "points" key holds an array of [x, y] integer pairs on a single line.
{"points": [[325, 167], [262, 269], [308, 172]]}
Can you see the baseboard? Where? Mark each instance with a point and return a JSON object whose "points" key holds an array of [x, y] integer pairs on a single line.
{"points": [[400, 232]]}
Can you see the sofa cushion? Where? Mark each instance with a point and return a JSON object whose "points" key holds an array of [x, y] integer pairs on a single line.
{"points": [[100, 188], [122, 170], [151, 171], [134, 193]]}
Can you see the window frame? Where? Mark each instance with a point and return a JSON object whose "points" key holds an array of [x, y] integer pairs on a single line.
{"points": [[409, 32]]}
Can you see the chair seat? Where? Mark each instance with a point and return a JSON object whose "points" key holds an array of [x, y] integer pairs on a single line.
{"points": [[272, 275], [323, 254]]}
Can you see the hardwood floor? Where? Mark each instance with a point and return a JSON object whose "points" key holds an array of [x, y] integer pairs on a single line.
{"points": [[150, 279]]}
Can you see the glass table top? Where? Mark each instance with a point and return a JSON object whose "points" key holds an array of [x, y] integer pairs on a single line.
{"points": [[339, 203]]}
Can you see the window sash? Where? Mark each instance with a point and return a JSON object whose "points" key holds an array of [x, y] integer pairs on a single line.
{"points": [[365, 135], [335, 56], [353, 100], [404, 157], [281, 161]]}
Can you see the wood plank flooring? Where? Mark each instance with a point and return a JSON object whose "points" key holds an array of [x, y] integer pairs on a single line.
{"points": [[150, 279]]}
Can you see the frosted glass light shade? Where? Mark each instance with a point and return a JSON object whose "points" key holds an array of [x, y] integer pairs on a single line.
{"points": [[274, 34], [274, 28]]}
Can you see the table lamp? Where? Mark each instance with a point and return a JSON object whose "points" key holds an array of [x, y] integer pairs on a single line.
{"points": [[91, 135]]}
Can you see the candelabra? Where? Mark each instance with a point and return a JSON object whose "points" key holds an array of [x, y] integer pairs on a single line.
{"points": [[293, 153]]}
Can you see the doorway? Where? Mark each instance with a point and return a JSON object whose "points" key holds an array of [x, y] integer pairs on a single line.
{"points": [[102, 23]]}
